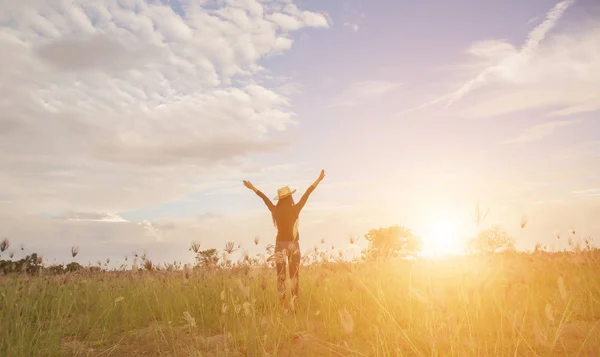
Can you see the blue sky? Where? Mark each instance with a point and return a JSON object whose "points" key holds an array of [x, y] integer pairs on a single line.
{"points": [[131, 124]]}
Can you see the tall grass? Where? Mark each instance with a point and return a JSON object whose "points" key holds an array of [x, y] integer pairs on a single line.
{"points": [[506, 304]]}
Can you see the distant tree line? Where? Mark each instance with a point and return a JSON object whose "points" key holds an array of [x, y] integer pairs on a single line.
{"points": [[32, 264]]}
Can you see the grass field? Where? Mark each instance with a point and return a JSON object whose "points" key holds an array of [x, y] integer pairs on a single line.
{"points": [[504, 305]]}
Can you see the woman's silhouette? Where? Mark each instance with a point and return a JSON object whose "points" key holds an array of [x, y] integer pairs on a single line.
{"points": [[285, 217]]}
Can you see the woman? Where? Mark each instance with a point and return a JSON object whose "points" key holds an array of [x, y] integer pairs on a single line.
{"points": [[285, 217]]}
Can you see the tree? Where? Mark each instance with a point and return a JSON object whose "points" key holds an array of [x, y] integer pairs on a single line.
{"points": [[31, 264], [207, 258], [73, 267], [392, 241], [491, 240]]}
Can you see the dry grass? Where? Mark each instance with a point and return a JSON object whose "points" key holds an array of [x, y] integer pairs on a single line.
{"points": [[504, 305]]}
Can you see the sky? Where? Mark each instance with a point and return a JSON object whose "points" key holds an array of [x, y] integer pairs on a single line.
{"points": [[129, 125]]}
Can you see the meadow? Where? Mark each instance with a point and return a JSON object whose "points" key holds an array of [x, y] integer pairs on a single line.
{"points": [[508, 304]]}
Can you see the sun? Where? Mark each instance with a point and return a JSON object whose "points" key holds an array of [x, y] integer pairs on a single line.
{"points": [[442, 237]]}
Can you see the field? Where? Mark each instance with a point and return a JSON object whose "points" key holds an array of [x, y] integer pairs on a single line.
{"points": [[503, 305]]}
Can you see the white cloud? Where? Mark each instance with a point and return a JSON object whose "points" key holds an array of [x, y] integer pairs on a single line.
{"points": [[168, 239], [354, 27], [588, 191], [92, 217], [557, 71], [111, 106], [364, 90], [540, 131]]}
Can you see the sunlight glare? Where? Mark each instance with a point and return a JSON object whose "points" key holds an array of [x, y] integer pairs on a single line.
{"points": [[442, 238]]}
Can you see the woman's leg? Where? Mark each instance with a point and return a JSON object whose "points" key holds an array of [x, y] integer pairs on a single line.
{"points": [[294, 267], [280, 264]]}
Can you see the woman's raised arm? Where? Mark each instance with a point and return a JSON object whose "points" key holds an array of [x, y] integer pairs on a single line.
{"points": [[267, 201], [310, 189]]}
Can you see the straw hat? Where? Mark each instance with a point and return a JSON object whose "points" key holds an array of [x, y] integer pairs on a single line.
{"points": [[284, 192]]}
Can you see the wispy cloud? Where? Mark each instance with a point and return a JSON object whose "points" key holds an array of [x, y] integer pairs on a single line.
{"points": [[93, 217], [509, 63], [588, 191], [504, 63], [363, 91], [540, 131]]}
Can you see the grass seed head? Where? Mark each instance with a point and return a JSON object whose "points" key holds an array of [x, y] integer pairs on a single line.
{"points": [[4, 245], [540, 337], [549, 313], [346, 321], [561, 288], [195, 247], [191, 322], [523, 221]]}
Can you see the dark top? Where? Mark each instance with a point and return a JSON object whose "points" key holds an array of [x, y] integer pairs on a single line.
{"points": [[286, 218]]}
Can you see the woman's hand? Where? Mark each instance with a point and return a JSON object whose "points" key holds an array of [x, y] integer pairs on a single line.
{"points": [[249, 185], [321, 177]]}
